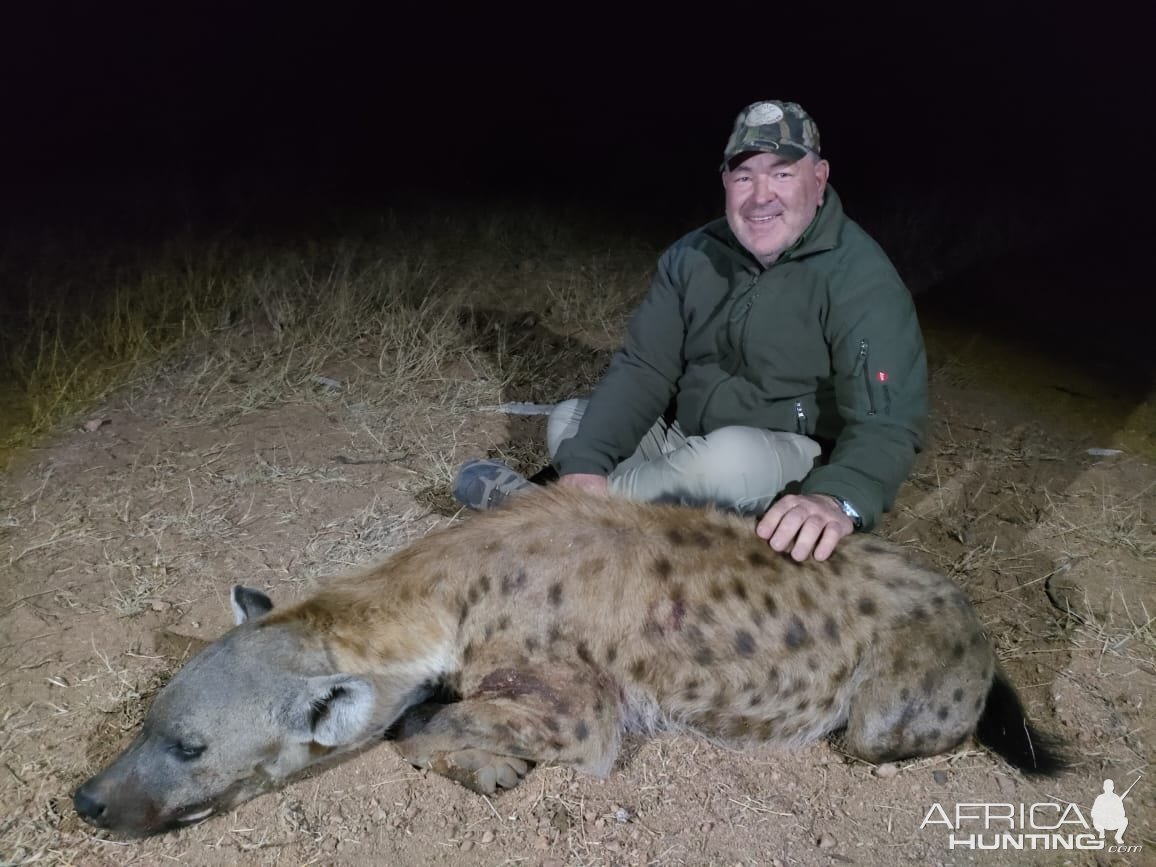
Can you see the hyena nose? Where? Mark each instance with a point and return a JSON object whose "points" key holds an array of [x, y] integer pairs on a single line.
{"points": [[90, 808]]}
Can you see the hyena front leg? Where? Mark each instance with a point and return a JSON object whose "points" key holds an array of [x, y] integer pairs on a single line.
{"points": [[514, 717]]}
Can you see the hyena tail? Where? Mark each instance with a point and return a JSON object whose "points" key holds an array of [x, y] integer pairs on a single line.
{"points": [[1004, 728]]}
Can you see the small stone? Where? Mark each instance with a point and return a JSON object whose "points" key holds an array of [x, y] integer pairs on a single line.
{"points": [[488, 837], [939, 777], [827, 842], [159, 605], [886, 771], [541, 842], [467, 845]]}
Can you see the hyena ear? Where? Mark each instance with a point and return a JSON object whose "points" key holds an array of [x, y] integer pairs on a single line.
{"points": [[338, 709], [248, 604]]}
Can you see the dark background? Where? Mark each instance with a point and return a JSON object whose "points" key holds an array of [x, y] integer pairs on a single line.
{"points": [[132, 123]]}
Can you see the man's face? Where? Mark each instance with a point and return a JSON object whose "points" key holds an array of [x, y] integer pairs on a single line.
{"points": [[771, 201]]}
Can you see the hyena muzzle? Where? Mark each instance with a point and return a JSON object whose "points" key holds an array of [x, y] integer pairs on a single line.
{"points": [[544, 630]]}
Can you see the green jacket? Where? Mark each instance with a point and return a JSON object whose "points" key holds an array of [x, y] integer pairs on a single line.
{"points": [[824, 342]]}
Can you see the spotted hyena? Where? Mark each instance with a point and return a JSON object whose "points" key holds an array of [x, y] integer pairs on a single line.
{"points": [[558, 623]]}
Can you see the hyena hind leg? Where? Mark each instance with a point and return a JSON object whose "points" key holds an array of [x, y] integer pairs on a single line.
{"points": [[921, 690], [517, 717]]}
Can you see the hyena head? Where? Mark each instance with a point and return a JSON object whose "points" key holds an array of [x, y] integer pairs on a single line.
{"points": [[250, 710]]}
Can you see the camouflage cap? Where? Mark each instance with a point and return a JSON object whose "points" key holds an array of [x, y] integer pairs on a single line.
{"points": [[772, 126]]}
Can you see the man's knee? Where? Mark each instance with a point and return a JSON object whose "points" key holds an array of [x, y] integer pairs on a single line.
{"points": [[756, 462], [746, 450]]}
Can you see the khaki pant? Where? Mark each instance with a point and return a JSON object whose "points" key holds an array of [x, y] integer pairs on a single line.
{"points": [[744, 467]]}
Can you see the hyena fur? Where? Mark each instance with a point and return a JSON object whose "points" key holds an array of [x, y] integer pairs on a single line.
{"points": [[559, 622]]}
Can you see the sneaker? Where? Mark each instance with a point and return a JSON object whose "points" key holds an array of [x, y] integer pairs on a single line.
{"points": [[486, 484]]}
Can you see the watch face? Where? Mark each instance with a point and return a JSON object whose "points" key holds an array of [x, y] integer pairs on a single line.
{"points": [[851, 512]]}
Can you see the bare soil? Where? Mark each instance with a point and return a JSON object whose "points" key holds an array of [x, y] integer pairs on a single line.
{"points": [[119, 541]]}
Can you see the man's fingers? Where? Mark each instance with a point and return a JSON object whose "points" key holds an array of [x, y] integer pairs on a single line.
{"points": [[832, 533], [807, 525], [770, 520], [783, 535]]}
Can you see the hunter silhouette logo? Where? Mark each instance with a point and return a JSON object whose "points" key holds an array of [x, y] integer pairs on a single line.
{"points": [[1108, 811]]}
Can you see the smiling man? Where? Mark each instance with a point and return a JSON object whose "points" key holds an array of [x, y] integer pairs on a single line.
{"points": [[777, 350]]}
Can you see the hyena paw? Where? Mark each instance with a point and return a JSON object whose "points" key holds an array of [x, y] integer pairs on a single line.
{"points": [[480, 771]]}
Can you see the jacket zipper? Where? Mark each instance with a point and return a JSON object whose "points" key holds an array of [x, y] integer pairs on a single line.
{"points": [[800, 418], [861, 367]]}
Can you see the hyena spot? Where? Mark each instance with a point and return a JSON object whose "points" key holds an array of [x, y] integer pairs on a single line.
{"points": [[744, 643], [831, 629], [927, 684], [583, 651], [796, 635], [758, 559], [555, 594], [700, 539]]}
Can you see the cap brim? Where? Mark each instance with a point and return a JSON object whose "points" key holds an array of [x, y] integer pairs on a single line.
{"points": [[792, 152]]}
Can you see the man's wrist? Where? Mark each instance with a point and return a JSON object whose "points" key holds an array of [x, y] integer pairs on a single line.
{"points": [[849, 510]]}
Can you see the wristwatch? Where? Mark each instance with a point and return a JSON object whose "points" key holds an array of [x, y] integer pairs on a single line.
{"points": [[849, 510]]}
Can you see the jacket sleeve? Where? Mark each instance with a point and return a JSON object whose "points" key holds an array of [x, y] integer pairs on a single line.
{"points": [[639, 384], [880, 378]]}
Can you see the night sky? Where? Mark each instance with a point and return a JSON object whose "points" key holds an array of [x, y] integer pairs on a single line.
{"points": [[129, 121]]}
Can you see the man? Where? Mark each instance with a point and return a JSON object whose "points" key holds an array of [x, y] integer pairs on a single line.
{"points": [[776, 349]]}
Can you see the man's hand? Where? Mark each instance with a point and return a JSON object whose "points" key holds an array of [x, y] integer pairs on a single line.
{"points": [[591, 482], [806, 524]]}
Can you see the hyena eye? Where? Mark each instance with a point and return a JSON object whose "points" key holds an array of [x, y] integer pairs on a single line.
{"points": [[186, 752]]}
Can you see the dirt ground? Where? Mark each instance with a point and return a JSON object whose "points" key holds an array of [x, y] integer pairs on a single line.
{"points": [[119, 540]]}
